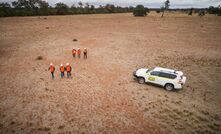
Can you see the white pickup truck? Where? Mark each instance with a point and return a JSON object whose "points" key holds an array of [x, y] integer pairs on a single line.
{"points": [[168, 78]]}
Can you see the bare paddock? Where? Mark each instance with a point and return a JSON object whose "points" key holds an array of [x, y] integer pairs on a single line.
{"points": [[102, 96]]}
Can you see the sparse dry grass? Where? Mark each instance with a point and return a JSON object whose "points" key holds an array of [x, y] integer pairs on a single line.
{"points": [[102, 96]]}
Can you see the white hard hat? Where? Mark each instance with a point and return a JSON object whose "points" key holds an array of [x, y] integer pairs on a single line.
{"points": [[61, 65], [78, 48], [67, 64], [51, 64], [84, 48]]}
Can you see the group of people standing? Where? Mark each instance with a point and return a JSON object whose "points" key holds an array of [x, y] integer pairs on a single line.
{"points": [[63, 68], [68, 67], [78, 52]]}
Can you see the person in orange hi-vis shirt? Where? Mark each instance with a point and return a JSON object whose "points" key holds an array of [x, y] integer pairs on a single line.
{"points": [[74, 53], [68, 69], [79, 52], [62, 69], [52, 69]]}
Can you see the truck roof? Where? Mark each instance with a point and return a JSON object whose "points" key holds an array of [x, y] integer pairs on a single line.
{"points": [[164, 69], [168, 70]]}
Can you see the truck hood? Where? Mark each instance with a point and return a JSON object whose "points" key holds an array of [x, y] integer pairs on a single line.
{"points": [[183, 79], [141, 72], [179, 73]]}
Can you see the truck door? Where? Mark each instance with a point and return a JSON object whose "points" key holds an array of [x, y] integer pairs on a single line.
{"points": [[153, 77]]}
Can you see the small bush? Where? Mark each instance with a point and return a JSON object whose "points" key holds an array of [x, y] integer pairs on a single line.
{"points": [[201, 13], [157, 11], [61, 127], [190, 12], [75, 40], [39, 58], [215, 10], [139, 11]]}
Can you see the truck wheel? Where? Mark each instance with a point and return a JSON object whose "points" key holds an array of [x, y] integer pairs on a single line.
{"points": [[141, 80], [169, 87]]}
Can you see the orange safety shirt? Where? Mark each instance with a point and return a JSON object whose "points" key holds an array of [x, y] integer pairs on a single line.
{"points": [[68, 68], [73, 51], [62, 69], [79, 51], [52, 68]]}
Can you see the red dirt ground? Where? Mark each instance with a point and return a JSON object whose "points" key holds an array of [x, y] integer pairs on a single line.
{"points": [[102, 96]]}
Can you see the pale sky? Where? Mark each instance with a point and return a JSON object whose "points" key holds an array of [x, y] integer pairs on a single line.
{"points": [[147, 3]]}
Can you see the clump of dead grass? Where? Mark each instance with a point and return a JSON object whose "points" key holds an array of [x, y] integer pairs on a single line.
{"points": [[39, 58], [44, 129], [74, 40], [61, 127]]}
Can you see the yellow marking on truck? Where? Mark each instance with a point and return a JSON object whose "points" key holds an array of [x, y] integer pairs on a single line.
{"points": [[151, 79]]}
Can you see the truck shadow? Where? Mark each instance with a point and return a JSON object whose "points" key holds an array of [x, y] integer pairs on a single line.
{"points": [[156, 85]]}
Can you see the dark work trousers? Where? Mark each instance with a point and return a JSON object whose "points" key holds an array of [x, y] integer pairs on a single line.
{"points": [[73, 55], [52, 75], [68, 74], [62, 74], [85, 55]]}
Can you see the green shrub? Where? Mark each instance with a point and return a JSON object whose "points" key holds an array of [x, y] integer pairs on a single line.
{"points": [[214, 10], [157, 11], [190, 12], [139, 11], [201, 13], [62, 8]]}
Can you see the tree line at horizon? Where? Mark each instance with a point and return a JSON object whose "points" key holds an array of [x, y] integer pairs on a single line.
{"points": [[42, 8]]}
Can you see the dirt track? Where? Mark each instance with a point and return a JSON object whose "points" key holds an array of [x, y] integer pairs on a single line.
{"points": [[102, 96]]}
